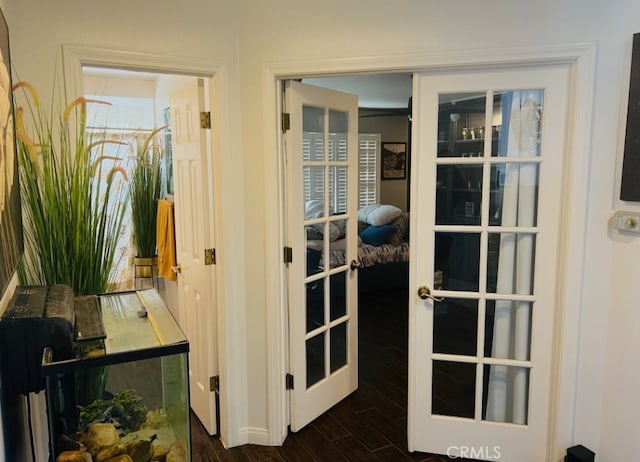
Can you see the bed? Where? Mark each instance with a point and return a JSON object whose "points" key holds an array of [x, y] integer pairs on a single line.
{"points": [[383, 250]]}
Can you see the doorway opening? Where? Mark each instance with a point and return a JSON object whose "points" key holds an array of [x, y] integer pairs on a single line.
{"points": [[383, 151], [142, 104], [469, 256], [137, 104]]}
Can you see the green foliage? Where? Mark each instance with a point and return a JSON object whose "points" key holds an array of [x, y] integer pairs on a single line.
{"points": [[125, 411], [73, 199], [144, 194]]}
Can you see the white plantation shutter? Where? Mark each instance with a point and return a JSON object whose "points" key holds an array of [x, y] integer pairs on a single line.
{"points": [[369, 148], [312, 148], [338, 152], [369, 155]]}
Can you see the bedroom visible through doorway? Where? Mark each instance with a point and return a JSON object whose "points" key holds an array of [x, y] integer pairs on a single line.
{"points": [[382, 222]]}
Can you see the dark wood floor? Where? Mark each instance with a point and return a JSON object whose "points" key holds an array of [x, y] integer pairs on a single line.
{"points": [[369, 425]]}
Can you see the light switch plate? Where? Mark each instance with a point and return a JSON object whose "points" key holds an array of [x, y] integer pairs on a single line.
{"points": [[627, 221]]}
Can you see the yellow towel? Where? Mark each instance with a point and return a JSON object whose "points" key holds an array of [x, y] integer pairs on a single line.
{"points": [[166, 240]]}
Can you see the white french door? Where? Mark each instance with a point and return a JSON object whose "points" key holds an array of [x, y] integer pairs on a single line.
{"points": [[321, 155], [489, 149], [196, 296]]}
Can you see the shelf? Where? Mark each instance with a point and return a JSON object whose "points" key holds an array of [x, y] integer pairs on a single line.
{"points": [[477, 140]]}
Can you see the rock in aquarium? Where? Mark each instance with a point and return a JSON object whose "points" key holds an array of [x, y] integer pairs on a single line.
{"points": [[74, 456]]}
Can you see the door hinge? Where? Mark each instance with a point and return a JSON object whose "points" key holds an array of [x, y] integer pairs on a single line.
{"points": [[205, 119], [209, 257], [286, 121], [288, 255], [214, 383], [288, 379]]}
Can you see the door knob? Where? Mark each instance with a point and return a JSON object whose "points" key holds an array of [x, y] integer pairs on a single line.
{"points": [[355, 264], [424, 293], [176, 269]]}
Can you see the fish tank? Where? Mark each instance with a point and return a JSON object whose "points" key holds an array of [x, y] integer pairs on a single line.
{"points": [[124, 397]]}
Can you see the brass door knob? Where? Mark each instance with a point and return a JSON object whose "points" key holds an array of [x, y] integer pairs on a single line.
{"points": [[176, 269], [424, 293], [355, 264]]}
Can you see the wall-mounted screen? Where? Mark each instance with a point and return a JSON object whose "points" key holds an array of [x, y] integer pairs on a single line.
{"points": [[630, 187]]}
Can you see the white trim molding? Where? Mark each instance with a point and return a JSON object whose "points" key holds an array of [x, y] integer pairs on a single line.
{"points": [[229, 198], [581, 58]]}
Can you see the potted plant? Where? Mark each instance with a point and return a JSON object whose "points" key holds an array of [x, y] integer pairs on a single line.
{"points": [[73, 197], [144, 193]]}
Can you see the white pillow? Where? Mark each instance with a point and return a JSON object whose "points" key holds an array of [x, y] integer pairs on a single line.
{"points": [[377, 215]]}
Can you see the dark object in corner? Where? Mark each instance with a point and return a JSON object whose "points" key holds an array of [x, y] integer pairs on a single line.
{"points": [[579, 454], [630, 187], [39, 317]]}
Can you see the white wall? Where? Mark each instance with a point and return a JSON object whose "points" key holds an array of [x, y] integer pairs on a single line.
{"points": [[391, 128], [621, 400], [250, 33]]}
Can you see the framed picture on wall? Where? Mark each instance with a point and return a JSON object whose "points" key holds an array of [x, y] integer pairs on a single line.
{"points": [[394, 160]]}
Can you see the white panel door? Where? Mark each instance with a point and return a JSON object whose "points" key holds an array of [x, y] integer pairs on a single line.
{"points": [[321, 150], [196, 296], [486, 218]]}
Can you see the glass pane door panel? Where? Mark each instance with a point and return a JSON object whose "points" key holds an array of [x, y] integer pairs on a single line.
{"points": [[514, 194], [316, 359], [338, 128], [511, 263], [453, 389], [458, 194], [508, 329], [313, 178], [505, 396], [338, 189], [338, 346], [457, 255], [516, 123], [461, 124], [315, 304], [314, 258], [313, 122], [338, 307], [455, 326], [313, 146]]}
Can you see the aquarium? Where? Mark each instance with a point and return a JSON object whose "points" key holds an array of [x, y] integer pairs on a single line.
{"points": [[125, 395]]}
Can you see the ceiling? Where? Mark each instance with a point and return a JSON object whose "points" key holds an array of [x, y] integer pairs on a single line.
{"points": [[384, 91]]}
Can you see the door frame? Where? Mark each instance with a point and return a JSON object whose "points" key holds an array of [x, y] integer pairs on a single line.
{"points": [[230, 347], [581, 59]]}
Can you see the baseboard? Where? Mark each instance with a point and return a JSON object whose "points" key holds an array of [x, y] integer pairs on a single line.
{"points": [[252, 435]]}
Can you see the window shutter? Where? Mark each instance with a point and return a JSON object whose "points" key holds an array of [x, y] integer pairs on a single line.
{"points": [[369, 147], [338, 174], [313, 149]]}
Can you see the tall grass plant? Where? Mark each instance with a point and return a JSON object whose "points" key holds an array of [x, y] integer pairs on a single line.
{"points": [[145, 191], [73, 196]]}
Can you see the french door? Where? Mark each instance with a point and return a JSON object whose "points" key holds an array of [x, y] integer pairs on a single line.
{"points": [[321, 150], [486, 215]]}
